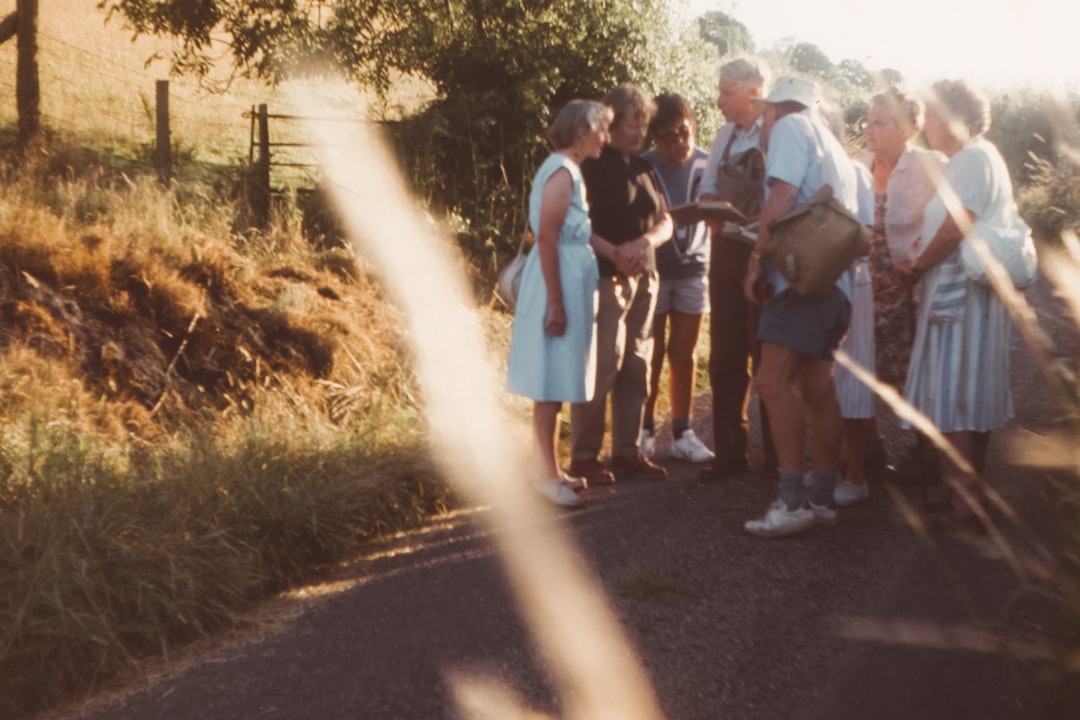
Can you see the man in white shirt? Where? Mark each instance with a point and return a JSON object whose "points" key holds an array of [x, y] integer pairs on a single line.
{"points": [[733, 320], [798, 333]]}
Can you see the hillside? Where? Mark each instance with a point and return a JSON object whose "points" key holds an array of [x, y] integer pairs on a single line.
{"points": [[193, 416]]}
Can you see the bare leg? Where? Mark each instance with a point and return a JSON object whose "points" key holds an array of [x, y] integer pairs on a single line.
{"points": [[682, 362], [819, 392], [659, 348], [775, 383], [545, 432], [874, 455], [965, 443], [855, 435]]}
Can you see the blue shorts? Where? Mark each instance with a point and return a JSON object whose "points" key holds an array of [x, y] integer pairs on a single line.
{"points": [[689, 296], [811, 326]]}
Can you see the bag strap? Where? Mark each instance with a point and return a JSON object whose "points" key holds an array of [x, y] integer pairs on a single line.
{"points": [[730, 142], [821, 197], [523, 245]]}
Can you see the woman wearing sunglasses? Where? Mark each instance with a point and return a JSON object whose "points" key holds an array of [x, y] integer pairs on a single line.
{"points": [[683, 265]]}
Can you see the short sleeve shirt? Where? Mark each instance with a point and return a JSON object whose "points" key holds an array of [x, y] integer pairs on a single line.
{"points": [[979, 177], [624, 198], [740, 141], [687, 254], [805, 154], [910, 187]]}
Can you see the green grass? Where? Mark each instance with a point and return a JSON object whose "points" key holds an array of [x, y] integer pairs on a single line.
{"points": [[192, 418]]}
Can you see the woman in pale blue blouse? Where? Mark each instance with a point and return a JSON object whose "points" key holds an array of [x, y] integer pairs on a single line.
{"points": [[959, 371]]}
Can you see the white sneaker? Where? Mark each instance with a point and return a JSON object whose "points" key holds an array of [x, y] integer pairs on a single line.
{"points": [[779, 521], [557, 492], [647, 443], [848, 493], [824, 515], [689, 447]]}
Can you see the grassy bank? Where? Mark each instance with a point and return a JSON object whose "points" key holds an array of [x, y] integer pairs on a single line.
{"points": [[191, 418]]}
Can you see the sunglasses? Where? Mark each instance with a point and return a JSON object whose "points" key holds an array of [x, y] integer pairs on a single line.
{"points": [[674, 134]]}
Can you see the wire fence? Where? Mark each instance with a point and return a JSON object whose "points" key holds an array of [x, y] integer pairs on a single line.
{"points": [[113, 93], [87, 92]]}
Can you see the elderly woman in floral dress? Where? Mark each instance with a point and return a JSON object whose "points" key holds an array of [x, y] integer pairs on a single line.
{"points": [[903, 182]]}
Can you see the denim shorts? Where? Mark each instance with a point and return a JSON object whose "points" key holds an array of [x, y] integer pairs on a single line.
{"points": [[689, 296], [811, 326]]}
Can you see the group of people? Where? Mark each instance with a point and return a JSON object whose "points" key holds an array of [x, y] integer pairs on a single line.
{"points": [[614, 287]]}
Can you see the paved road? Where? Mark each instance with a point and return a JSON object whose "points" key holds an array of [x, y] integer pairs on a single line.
{"points": [[727, 625]]}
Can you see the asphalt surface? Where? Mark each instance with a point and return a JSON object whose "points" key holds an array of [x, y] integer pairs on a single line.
{"points": [[727, 625]]}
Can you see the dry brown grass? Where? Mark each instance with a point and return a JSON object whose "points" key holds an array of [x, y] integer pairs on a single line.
{"points": [[192, 418], [192, 415]]}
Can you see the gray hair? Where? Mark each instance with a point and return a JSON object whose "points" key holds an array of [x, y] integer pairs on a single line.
{"points": [[957, 100], [746, 71], [628, 101], [904, 107], [577, 118]]}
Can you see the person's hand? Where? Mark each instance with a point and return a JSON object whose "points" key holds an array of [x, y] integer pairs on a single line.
{"points": [[907, 275], [555, 319], [750, 282], [630, 257]]}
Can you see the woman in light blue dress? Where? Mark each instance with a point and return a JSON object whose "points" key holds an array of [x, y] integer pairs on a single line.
{"points": [[553, 345]]}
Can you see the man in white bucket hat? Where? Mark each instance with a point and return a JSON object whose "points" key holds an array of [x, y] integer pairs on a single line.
{"points": [[798, 334]]}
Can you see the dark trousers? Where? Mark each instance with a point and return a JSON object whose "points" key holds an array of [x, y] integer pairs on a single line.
{"points": [[733, 352]]}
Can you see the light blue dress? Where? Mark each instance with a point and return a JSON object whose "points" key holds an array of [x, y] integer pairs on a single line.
{"points": [[543, 367]]}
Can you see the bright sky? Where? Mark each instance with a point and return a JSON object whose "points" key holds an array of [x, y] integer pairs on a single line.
{"points": [[1000, 43]]}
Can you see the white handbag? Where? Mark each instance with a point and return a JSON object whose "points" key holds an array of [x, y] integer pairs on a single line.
{"points": [[1013, 247], [509, 279]]}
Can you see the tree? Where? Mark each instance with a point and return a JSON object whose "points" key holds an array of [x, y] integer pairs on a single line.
{"points": [[810, 59], [500, 68], [890, 76], [855, 73], [22, 25], [728, 35]]}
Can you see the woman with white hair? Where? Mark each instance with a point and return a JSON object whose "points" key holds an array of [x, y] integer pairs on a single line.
{"points": [[627, 208], [903, 182], [553, 342], [959, 372]]}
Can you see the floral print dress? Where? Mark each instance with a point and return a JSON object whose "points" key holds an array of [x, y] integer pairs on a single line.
{"points": [[894, 308]]}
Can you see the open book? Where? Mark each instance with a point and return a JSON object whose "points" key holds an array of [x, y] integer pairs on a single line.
{"points": [[746, 234], [717, 210]]}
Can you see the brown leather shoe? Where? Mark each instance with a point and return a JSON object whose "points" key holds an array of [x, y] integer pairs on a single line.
{"points": [[640, 466], [592, 472]]}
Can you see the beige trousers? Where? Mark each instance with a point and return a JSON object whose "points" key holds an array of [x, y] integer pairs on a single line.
{"points": [[624, 335]]}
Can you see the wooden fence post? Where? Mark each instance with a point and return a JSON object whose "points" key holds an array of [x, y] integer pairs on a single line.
{"points": [[261, 194], [164, 147], [27, 86]]}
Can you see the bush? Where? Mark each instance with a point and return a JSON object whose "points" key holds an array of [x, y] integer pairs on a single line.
{"points": [[501, 76], [1050, 203], [1022, 131]]}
